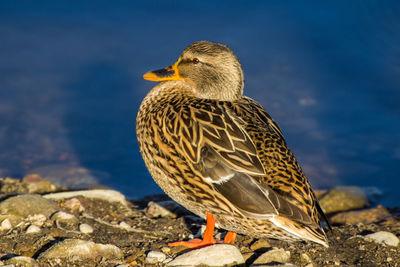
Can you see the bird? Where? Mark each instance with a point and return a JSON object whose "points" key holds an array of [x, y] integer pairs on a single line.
{"points": [[220, 155]]}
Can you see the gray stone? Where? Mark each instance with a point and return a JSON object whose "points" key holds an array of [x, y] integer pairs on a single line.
{"points": [[273, 255], [343, 198], [77, 249], [215, 255], [22, 261], [26, 205], [155, 257], [383, 237]]}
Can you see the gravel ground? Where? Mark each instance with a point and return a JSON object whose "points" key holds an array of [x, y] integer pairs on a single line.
{"points": [[133, 229]]}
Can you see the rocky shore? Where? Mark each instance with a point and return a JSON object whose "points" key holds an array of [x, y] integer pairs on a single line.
{"points": [[45, 225]]}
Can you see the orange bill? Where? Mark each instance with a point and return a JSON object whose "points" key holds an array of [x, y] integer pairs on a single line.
{"points": [[169, 73]]}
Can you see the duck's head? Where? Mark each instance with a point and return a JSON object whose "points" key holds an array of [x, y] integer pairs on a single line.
{"points": [[211, 69]]}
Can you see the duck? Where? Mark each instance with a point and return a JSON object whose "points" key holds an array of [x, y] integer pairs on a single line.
{"points": [[220, 155]]}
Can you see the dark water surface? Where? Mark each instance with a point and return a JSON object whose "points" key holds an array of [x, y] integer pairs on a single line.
{"points": [[329, 73]]}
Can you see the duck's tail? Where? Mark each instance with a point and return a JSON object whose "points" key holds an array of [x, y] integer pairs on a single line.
{"points": [[313, 233]]}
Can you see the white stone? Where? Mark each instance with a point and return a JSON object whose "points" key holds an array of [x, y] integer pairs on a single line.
{"points": [[81, 249], [124, 225], [63, 216], [33, 229], [273, 255], [37, 219], [104, 194], [21, 261], [383, 237], [215, 255], [155, 210], [5, 225], [85, 228], [155, 257]]}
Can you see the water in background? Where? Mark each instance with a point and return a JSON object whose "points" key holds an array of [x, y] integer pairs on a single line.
{"points": [[70, 83]]}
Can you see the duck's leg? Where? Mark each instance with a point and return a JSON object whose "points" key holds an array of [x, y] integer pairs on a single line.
{"points": [[230, 237], [208, 238]]}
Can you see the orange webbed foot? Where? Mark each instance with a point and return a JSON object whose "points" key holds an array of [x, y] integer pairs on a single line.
{"points": [[208, 238]]}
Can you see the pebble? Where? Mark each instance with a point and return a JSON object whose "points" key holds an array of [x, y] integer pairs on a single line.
{"points": [[22, 261], [5, 225], [215, 255], [273, 255], [383, 237], [26, 205], [78, 249], [36, 184], [124, 225], [74, 205], [361, 216], [103, 194], [65, 219], [260, 244], [86, 228], [33, 229], [37, 219], [154, 257], [70, 176], [155, 210], [344, 198], [305, 258]]}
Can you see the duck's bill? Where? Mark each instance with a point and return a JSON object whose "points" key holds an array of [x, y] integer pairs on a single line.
{"points": [[169, 73]]}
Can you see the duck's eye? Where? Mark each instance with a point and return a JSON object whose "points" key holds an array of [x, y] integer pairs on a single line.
{"points": [[196, 60]]}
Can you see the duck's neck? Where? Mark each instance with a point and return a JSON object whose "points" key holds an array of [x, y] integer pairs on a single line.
{"points": [[228, 87]]}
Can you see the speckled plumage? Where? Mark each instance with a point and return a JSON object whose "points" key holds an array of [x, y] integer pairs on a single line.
{"points": [[218, 152]]}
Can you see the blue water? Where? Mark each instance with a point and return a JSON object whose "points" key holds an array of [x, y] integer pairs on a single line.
{"points": [[328, 72]]}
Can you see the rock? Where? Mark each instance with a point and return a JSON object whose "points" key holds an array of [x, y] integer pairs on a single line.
{"points": [[33, 229], [70, 176], [103, 194], [215, 255], [5, 225], [372, 193], [383, 237], [37, 219], [305, 258], [86, 228], [343, 198], [64, 219], [154, 257], [273, 255], [319, 193], [125, 226], [74, 205], [26, 205], [22, 261], [77, 250], [260, 244], [362, 216], [155, 210], [36, 184]]}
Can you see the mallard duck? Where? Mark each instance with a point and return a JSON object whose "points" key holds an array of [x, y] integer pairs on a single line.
{"points": [[220, 155]]}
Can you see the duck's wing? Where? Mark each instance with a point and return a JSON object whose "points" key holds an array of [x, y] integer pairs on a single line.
{"points": [[218, 146]]}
